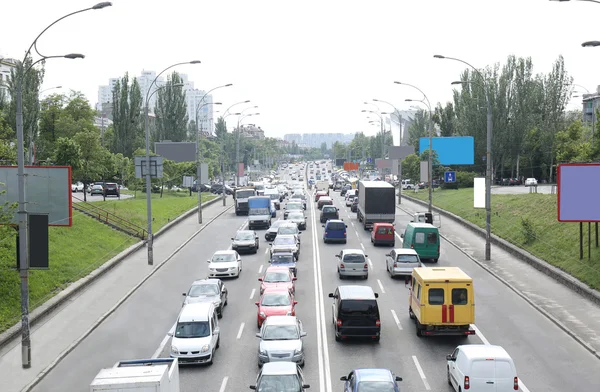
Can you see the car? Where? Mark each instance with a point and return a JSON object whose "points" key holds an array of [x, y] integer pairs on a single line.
{"points": [[401, 262], [355, 313], [300, 196], [285, 243], [281, 340], [383, 233], [112, 189], [196, 335], [298, 218], [320, 194], [245, 240], [531, 182], [284, 259], [224, 263], [207, 290], [371, 380], [272, 231], [277, 277], [329, 212], [350, 200], [324, 201], [77, 187], [352, 262], [354, 206], [345, 189], [273, 209], [290, 228], [292, 207], [335, 231], [96, 190], [280, 376], [275, 302]]}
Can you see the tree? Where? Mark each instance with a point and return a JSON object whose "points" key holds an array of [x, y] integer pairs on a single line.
{"points": [[411, 167], [91, 155], [445, 118], [571, 146], [323, 148], [67, 153], [127, 117], [220, 127], [171, 111], [418, 128]]}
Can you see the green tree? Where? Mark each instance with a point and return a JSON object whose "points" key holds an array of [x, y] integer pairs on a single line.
{"points": [[67, 153], [445, 118], [323, 148], [127, 117], [418, 128], [90, 168], [411, 167], [171, 111], [571, 146]]}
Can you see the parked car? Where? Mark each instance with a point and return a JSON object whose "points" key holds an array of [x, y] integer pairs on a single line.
{"points": [[531, 182], [112, 189], [96, 190], [207, 290], [77, 187]]}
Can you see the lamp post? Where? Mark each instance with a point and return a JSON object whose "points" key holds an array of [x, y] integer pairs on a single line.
{"points": [[22, 197], [380, 128], [237, 145], [48, 89], [150, 240], [488, 158], [225, 115]]}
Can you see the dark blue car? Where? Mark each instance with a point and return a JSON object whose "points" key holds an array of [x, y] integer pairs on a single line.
{"points": [[371, 380], [285, 260], [335, 231]]}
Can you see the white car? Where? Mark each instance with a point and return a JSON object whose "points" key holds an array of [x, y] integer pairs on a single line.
{"points": [[77, 187], [530, 182], [352, 262], [401, 262], [196, 335], [225, 263]]}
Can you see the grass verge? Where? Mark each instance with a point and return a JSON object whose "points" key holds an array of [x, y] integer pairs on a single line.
{"points": [[78, 250], [529, 221]]}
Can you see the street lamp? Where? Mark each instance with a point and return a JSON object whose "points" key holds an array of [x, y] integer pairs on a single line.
{"points": [[225, 115], [226, 112], [149, 241], [237, 146], [48, 89], [380, 128], [22, 197], [488, 158], [564, 1]]}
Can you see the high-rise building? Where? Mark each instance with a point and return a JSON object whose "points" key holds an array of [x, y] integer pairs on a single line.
{"points": [[315, 140], [6, 65], [293, 137]]}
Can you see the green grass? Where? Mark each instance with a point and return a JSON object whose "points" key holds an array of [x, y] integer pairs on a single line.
{"points": [[553, 241], [78, 250]]}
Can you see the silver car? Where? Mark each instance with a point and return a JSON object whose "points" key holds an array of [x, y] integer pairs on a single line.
{"points": [[208, 290], [401, 262], [285, 243], [289, 228], [298, 218], [281, 340], [245, 241], [352, 262]]}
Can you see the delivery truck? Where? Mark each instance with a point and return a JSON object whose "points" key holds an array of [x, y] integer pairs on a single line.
{"points": [[241, 196], [139, 375], [376, 203], [259, 212]]}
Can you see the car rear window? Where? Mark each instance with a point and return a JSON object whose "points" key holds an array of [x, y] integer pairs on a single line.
{"points": [[407, 259], [336, 226], [329, 209], [354, 258], [420, 238], [358, 306], [436, 296], [432, 238]]}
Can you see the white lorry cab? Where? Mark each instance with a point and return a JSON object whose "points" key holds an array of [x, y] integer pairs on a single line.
{"points": [[481, 368], [140, 375]]}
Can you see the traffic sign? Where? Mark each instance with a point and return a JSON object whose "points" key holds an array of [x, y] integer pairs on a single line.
{"points": [[450, 176]]}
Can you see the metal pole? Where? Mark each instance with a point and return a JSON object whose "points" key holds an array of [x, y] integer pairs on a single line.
{"points": [[430, 160], [237, 154], [23, 229], [149, 242], [488, 180], [199, 172], [223, 174]]}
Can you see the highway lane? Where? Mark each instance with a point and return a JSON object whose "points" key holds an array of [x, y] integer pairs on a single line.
{"points": [[546, 358]]}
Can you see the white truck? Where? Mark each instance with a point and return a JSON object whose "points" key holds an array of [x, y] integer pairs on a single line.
{"points": [[322, 185], [139, 375]]}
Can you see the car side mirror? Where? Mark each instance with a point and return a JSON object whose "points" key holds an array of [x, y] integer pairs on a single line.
{"points": [[169, 333], [322, 225], [302, 334], [258, 335], [260, 279], [449, 357], [253, 387], [232, 238], [256, 303], [208, 261], [366, 255], [412, 220], [388, 254], [338, 256], [346, 226], [295, 302], [184, 294], [306, 386], [343, 378], [331, 295], [398, 378], [376, 295]]}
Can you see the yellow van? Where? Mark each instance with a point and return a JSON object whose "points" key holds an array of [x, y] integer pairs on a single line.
{"points": [[442, 301]]}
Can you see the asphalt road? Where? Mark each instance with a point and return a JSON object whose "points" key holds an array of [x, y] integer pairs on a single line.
{"points": [[546, 358], [522, 189], [77, 197]]}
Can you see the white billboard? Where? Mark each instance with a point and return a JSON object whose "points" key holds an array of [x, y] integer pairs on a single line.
{"points": [[479, 192]]}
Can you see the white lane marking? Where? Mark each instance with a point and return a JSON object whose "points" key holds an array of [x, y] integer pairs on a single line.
{"points": [[421, 373], [370, 263], [323, 348], [252, 293], [381, 286], [352, 223], [396, 319], [163, 343], [399, 238], [239, 335], [266, 250], [260, 269], [361, 244], [224, 384]]}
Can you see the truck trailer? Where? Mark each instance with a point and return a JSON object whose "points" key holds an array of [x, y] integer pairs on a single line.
{"points": [[376, 203], [259, 212], [241, 196], [139, 375]]}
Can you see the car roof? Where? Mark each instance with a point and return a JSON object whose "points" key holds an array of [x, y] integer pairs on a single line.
{"points": [[353, 251], [196, 311], [383, 224], [279, 368], [484, 351], [286, 236], [334, 220], [325, 198], [245, 232], [422, 225], [281, 320], [356, 292], [277, 290], [374, 375], [225, 252], [405, 251], [206, 281], [275, 268]]}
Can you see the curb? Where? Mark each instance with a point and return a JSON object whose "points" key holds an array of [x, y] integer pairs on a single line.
{"points": [[64, 295], [543, 311], [539, 264]]}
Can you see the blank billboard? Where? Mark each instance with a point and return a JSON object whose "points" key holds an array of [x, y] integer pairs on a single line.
{"points": [[479, 192], [456, 150], [176, 151], [578, 192]]}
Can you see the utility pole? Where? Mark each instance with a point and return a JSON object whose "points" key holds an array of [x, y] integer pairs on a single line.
{"points": [[199, 173]]}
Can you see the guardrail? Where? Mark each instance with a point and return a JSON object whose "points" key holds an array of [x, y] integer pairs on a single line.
{"points": [[110, 219]]}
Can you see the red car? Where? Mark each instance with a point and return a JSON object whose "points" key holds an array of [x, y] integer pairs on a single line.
{"points": [[320, 194], [275, 302], [278, 277]]}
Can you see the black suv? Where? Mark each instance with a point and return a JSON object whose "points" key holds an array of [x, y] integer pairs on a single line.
{"points": [[329, 212], [356, 313], [111, 189]]}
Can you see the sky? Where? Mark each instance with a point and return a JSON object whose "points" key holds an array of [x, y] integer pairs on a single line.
{"points": [[309, 65]]}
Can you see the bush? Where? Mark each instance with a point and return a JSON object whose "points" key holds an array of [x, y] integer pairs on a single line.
{"points": [[528, 230], [465, 179]]}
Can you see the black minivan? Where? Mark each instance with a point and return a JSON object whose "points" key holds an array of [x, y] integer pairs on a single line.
{"points": [[355, 313]]}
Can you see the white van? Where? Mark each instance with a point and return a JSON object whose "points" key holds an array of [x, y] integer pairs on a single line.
{"points": [[196, 335], [481, 368]]}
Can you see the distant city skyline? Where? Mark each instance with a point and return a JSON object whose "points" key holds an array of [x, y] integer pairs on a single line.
{"points": [[315, 140]]}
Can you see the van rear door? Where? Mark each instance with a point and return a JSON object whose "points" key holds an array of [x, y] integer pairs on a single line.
{"points": [[482, 375], [505, 375], [435, 311], [461, 310]]}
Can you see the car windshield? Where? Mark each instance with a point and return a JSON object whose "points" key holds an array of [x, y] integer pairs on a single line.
{"points": [[244, 237], [259, 211], [195, 329], [407, 259], [244, 194], [294, 206], [274, 277], [203, 289], [275, 225], [284, 241], [276, 299], [223, 257], [288, 230], [279, 383], [329, 209], [376, 386], [296, 216], [354, 258], [280, 332]]}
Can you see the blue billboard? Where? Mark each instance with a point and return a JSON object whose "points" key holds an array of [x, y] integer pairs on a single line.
{"points": [[455, 150]]}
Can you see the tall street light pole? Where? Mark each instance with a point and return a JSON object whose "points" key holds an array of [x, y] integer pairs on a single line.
{"points": [[488, 158], [150, 239], [380, 129], [225, 115], [237, 146], [22, 197]]}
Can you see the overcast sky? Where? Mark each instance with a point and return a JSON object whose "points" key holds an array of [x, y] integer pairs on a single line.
{"points": [[309, 65]]}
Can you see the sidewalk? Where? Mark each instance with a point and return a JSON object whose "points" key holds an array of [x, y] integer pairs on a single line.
{"points": [[58, 332], [575, 312]]}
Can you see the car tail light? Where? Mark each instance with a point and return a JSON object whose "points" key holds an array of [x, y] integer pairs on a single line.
{"points": [[467, 383], [325, 233], [338, 322], [378, 323], [412, 246], [516, 384], [438, 249], [366, 266], [342, 265], [345, 234], [395, 265]]}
